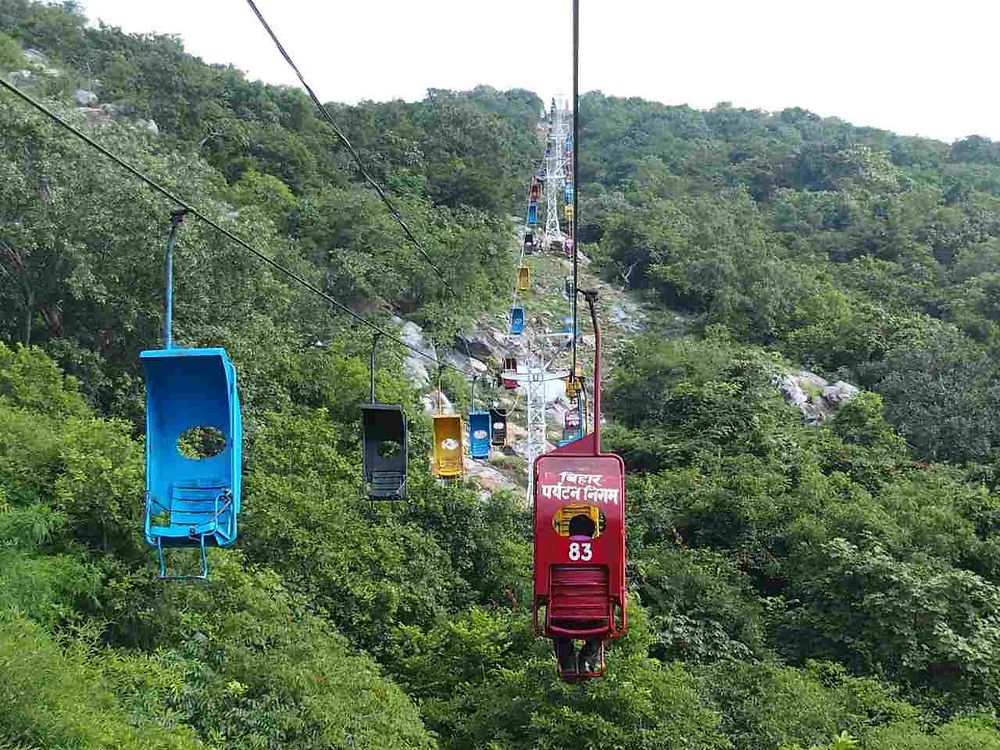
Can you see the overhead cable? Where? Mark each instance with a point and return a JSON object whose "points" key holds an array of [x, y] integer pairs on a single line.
{"points": [[350, 148], [196, 212]]}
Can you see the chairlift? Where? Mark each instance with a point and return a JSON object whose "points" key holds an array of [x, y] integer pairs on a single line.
{"points": [[579, 545], [194, 441], [498, 428], [517, 320], [384, 442], [480, 426], [509, 367], [523, 277], [449, 459]]}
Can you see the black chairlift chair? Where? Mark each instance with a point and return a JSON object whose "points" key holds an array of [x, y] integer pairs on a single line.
{"points": [[384, 434]]}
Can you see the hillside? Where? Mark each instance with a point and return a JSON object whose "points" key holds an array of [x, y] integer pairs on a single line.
{"points": [[793, 585]]}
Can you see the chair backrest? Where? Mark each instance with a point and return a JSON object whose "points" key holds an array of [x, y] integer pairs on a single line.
{"points": [[498, 428], [448, 450], [517, 320], [479, 434]]}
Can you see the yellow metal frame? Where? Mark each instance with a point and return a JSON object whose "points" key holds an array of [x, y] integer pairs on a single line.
{"points": [[562, 517], [448, 446], [523, 277]]}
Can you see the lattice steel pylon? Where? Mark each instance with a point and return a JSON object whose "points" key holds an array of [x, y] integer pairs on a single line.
{"points": [[536, 441], [555, 177]]}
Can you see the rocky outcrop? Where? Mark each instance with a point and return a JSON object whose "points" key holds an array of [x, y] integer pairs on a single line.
{"points": [[85, 98], [839, 393], [815, 396], [488, 477], [95, 115], [482, 345], [35, 56], [414, 365]]}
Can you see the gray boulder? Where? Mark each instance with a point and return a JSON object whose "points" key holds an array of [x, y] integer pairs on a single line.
{"points": [[478, 344], [839, 393], [85, 98], [815, 397]]}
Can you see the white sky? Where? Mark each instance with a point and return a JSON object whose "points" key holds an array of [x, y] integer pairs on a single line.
{"points": [[920, 67]]}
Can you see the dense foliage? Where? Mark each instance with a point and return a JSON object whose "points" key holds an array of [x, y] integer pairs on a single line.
{"points": [[793, 586], [861, 253]]}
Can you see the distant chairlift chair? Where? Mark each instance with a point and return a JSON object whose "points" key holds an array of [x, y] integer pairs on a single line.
{"points": [[517, 320], [479, 428], [384, 438], [523, 277], [448, 457]]}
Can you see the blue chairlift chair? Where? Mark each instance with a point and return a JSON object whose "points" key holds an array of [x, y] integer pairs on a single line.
{"points": [[194, 441], [517, 320], [479, 427]]}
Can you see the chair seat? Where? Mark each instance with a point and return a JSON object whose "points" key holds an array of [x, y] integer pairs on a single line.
{"points": [[198, 507], [580, 594], [387, 484]]}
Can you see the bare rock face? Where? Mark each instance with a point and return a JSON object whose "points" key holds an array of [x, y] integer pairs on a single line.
{"points": [[36, 56], [488, 478], [839, 393], [95, 115], [415, 365], [462, 362], [432, 404], [85, 98], [479, 344], [816, 398]]}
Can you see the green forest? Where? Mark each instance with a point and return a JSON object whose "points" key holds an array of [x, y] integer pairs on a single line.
{"points": [[792, 586]]}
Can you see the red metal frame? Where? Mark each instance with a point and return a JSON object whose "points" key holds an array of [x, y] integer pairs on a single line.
{"points": [[586, 572]]}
